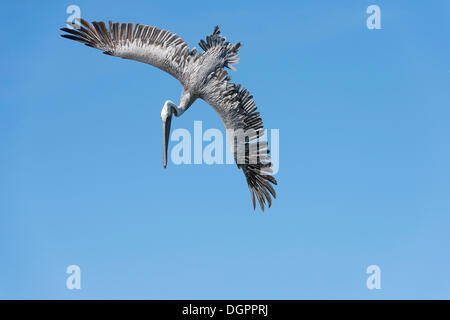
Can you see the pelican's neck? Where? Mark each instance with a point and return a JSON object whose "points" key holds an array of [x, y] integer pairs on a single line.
{"points": [[169, 109]]}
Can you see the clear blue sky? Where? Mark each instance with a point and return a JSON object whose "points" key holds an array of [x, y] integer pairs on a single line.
{"points": [[364, 156]]}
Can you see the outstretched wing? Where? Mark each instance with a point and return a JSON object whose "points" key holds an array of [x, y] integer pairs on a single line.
{"points": [[159, 48], [237, 110]]}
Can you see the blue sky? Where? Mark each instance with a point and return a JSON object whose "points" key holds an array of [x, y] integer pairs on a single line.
{"points": [[364, 156]]}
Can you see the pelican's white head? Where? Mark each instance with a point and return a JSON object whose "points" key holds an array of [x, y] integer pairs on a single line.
{"points": [[165, 111]]}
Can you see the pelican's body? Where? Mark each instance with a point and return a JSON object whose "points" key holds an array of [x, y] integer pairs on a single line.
{"points": [[202, 76]]}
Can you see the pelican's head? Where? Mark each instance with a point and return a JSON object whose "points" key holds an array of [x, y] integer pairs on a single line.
{"points": [[166, 118]]}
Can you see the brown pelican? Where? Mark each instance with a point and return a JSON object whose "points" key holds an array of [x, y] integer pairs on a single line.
{"points": [[202, 76]]}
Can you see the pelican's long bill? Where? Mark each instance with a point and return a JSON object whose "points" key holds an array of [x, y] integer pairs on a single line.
{"points": [[166, 137]]}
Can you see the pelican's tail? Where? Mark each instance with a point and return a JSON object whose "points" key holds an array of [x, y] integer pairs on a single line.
{"points": [[214, 40]]}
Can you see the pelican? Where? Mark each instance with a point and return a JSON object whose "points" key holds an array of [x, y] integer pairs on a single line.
{"points": [[203, 76]]}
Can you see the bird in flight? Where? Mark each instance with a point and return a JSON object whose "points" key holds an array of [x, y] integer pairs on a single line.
{"points": [[203, 76]]}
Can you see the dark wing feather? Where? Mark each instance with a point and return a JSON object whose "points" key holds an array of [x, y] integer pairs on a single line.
{"points": [[237, 110], [216, 40]]}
